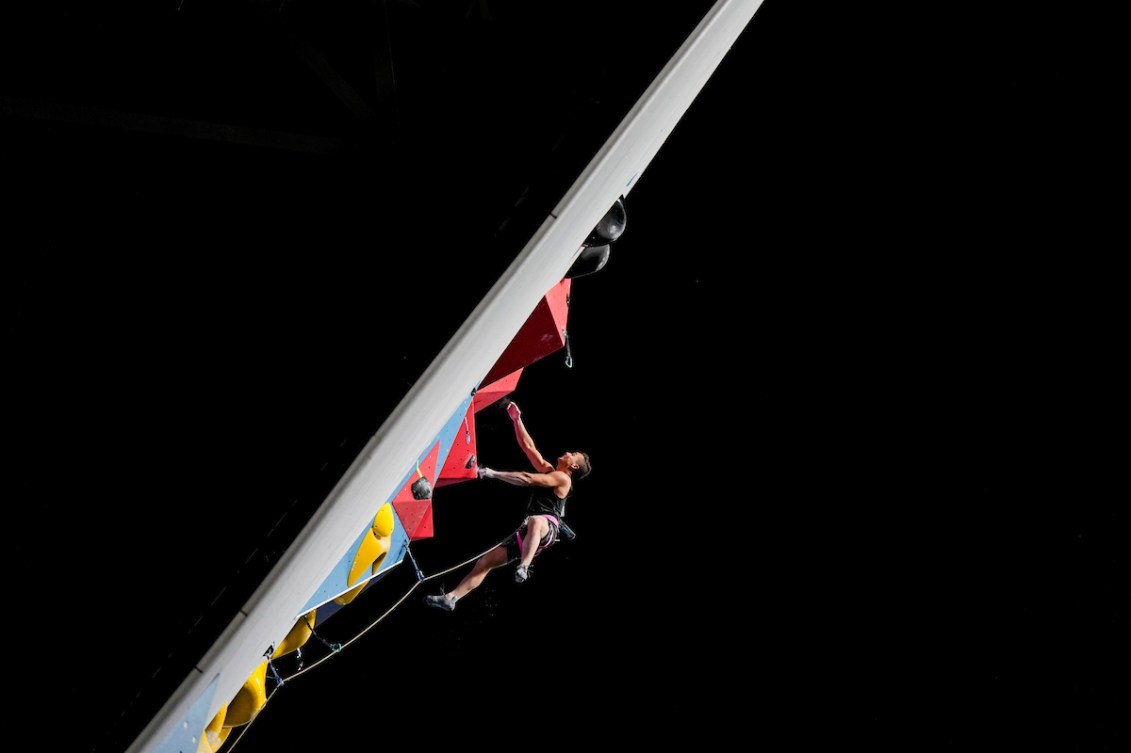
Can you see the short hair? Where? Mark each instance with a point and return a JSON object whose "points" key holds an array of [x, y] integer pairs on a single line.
{"points": [[584, 468]]}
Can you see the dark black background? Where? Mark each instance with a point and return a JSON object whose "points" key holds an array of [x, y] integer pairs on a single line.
{"points": [[832, 379]]}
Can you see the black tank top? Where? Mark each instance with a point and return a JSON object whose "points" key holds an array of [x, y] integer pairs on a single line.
{"points": [[543, 501]]}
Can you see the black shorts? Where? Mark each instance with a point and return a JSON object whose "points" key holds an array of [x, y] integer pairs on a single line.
{"points": [[514, 541]]}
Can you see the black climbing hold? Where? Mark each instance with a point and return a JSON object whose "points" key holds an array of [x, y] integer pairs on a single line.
{"points": [[610, 227], [592, 259], [421, 489]]}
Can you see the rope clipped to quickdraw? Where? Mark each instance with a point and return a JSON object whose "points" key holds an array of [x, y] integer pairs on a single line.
{"points": [[334, 647], [271, 666], [569, 356], [416, 567], [421, 578]]}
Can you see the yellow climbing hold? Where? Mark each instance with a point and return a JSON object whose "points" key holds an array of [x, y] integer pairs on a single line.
{"points": [[250, 700], [298, 636]]}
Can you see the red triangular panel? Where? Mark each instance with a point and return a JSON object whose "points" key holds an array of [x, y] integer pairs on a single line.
{"points": [[557, 299], [424, 530], [416, 517], [496, 390], [409, 509], [463, 450], [540, 336]]}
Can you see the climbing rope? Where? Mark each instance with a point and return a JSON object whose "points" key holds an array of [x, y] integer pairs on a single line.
{"points": [[336, 648], [420, 578], [457, 567], [271, 666], [304, 670], [246, 727]]}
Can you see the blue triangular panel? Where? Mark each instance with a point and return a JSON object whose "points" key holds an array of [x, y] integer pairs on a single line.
{"points": [[335, 583], [185, 737]]}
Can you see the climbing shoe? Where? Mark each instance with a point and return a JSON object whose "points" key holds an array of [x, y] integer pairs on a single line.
{"points": [[441, 601]]}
